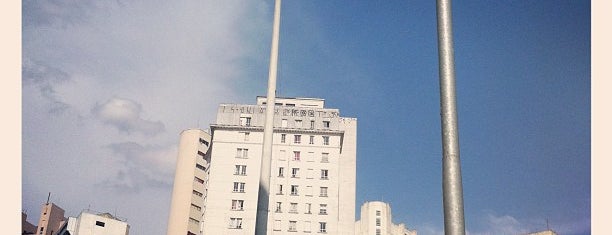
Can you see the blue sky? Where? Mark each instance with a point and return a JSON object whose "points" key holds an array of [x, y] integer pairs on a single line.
{"points": [[108, 86]]}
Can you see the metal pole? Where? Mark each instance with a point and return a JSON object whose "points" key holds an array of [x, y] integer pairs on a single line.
{"points": [[263, 196], [451, 183]]}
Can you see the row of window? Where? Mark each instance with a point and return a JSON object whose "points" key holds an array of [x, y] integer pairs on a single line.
{"points": [[293, 208], [295, 190], [246, 121], [236, 223], [295, 173], [306, 226], [297, 156], [297, 139]]}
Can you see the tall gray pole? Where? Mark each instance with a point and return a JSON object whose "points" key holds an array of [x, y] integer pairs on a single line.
{"points": [[451, 183], [261, 223]]}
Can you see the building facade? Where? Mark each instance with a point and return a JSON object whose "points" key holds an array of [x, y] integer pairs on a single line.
{"points": [[313, 171], [376, 219], [92, 223]]}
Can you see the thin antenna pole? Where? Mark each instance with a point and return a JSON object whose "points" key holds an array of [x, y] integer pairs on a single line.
{"points": [[48, 197], [261, 225], [454, 223]]}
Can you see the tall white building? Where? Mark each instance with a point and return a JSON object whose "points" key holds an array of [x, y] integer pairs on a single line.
{"points": [[92, 223], [376, 219], [312, 172], [190, 179]]}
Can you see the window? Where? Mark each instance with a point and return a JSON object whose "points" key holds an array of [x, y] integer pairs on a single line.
{"points": [[377, 213], [235, 223], [378, 231], [325, 157], [240, 170], [296, 155], [200, 167], [309, 190], [282, 155], [196, 179], [242, 153], [204, 142], [284, 123], [294, 172], [238, 187], [322, 227], [308, 206], [237, 205], [293, 207], [246, 136], [377, 221], [280, 189], [312, 124], [309, 173], [191, 220], [245, 121], [199, 194], [298, 123], [310, 157], [196, 207], [323, 209], [311, 141], [323, 192], [297, 139], [278, 207], [294, 190], [325, 124], [201, 153], [283, 138], [325, 140], [277, 225], [281, 172], [98, 223], [324, 174], [292, 226]]}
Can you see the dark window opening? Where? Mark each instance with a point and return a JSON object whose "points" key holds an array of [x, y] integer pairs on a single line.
{"points": [[100, 223]]}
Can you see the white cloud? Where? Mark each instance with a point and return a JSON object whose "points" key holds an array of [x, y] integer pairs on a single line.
{"points": [[125, 115]]}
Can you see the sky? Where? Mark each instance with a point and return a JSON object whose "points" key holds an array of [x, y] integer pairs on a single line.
{"points": [[107, 87]]}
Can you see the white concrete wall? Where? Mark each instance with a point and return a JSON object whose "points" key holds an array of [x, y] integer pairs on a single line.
{"points": [[91, 224]]}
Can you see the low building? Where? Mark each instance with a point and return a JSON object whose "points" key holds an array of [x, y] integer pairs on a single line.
{"points": [[51, 219], [376, 219], [93, 223], [26, 227]]}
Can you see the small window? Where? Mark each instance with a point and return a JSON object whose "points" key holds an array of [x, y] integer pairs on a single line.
{"points": [[325, 157], [235, 223], [200, 167], [295, 172], [298, 123], [296, 155], [238, 187], [284, 123], [311, 141], [325, 124], [246, 136], [278, 207], [240, 170], [297, 139], [324, 174], [323, 192], [199, 194], [283, 138], [325, 140], [292, 226], [312, 124], [242, 153], [294, 190], [281, 172], [323, 209], [204, 142], [100, 223], [293, 207], [245, 121], [237, 205], [322, 227]]}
